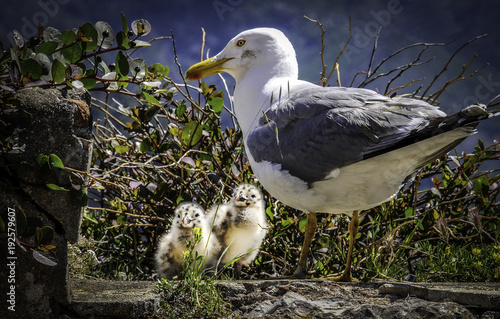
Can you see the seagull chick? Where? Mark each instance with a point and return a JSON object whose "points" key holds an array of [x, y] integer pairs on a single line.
{"points": [[240, 226], [173, 244], [328, 149]]}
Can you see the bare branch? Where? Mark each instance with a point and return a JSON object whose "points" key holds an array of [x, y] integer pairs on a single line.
{"points": [[449, 61]]}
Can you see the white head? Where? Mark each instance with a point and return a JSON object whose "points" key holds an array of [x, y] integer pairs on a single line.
{"points": [[247, 195], [188, 215], [261, 50]]}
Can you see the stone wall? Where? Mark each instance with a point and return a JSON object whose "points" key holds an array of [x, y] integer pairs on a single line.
{"points": [[34, 271]]}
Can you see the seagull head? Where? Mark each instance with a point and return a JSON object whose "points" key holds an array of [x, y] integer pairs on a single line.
{"points": [[262, 50]]}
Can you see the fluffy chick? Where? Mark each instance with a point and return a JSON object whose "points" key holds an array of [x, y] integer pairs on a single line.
{"points": [[240, 226], [168, 257]]}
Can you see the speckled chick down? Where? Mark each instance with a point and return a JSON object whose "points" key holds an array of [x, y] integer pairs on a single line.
{"points": [[168, 257], [240, 225]]}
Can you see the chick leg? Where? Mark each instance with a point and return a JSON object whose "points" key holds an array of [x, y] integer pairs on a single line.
{"points": [[237, 269], [311, 226]]}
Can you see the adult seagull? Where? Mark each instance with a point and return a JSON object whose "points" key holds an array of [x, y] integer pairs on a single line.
{"points": [[331, 150]]}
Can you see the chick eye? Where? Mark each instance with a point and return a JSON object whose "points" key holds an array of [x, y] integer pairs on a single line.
{"points": [[240, 43]]}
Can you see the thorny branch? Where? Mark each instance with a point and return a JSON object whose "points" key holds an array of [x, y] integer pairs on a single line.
{"points": [[324, 79]]}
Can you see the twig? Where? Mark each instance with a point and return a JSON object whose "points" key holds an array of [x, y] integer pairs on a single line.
{"points": [[114, 211], [110, 115], [449, 61], [376, 75], [336, 64], [458, 78], [100, 180], [176, 60], [375, 43], [323, 80]]}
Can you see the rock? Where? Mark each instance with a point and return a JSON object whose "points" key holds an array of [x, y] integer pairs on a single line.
{"points": [[290, 299], [325, 299], [47, 122], [117, 299]]}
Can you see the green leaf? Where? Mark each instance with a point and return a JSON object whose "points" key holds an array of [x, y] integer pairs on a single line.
{"points": [[44, 235], [45, 64], [151, 111], [68, 37], [409, 212], [141, 27], [122, 66], [180, 110], [105, 34], [150, 99], [73, 53], [58, 71], [138, 68], [481, 144], [161, 191], [123, 41], [31, 67], [91, 37], [217, 104], [89, 80], [47, 48], [159, 70], [55, 161], [121, 149], [191, 133], [481, 186], [302, 224], [79, 197], [55, 187], [42, 160], [145, 145], [124, 23], [121, 220], [270, 213]]}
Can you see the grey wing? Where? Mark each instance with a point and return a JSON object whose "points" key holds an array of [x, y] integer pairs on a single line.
{"points": [[313, 131]]}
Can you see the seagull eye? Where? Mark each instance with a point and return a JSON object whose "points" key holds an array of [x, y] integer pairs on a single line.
{"points": [[240, 43]]}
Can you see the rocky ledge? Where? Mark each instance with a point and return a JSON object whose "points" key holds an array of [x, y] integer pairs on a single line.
{"points": [[301, 299]]}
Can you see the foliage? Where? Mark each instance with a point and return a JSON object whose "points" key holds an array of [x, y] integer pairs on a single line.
{"points": [[167, 143], [195, 295], [68, 59]]}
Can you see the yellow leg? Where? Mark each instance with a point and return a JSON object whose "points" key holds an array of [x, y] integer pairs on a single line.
{"points": [[353, 231], [311, 225]]}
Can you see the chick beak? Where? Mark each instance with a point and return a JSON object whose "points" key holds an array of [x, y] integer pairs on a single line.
{"points": [[186, 220], [241, 200]]}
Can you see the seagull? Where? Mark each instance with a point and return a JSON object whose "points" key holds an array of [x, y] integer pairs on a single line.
{"points": [[334, 150], [240, 226], [173, 244]]}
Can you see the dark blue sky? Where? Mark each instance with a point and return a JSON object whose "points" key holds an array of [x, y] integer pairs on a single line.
{"points": [[404, 22]]}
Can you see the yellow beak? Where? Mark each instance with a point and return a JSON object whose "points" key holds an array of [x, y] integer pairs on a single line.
{"points": [[206, 68]]}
